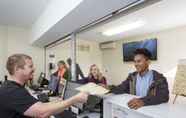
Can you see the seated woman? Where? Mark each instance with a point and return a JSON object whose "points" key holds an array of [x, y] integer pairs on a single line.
{"points": [[94, 76], [62, 72]]}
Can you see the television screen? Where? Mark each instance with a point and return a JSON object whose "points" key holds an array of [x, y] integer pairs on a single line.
{"points": [[129, 48]]}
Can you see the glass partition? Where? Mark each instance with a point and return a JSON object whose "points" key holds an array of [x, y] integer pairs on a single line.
{"points": [[56, 59]]}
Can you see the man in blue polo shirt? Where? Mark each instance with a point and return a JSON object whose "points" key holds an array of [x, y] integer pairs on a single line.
{"points": [[149, 85]]}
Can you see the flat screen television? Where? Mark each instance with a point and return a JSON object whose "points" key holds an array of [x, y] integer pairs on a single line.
{"points": [[129, 48]]}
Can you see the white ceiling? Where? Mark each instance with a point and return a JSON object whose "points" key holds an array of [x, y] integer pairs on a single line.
{"points": [[21, 12], [81, 15], [159, 16]]}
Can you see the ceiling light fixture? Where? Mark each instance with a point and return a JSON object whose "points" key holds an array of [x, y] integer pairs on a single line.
{"points": [[123, 28]]}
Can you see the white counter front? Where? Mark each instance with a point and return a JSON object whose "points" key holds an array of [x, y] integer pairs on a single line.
{"points": [[116, 107]]}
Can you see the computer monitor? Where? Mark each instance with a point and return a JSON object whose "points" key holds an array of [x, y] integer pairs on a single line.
{"points": [[41, 77], [53, 83], [42, 80], [70, 91]]}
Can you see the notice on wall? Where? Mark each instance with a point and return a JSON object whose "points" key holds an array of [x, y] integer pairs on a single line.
{"points": [[179, 87]]}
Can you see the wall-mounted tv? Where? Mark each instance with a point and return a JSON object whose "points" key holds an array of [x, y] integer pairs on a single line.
{"points": [[129, 48]]}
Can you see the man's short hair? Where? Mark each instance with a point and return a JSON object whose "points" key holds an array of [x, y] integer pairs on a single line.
{"points": [[16, 61], [69, 61], [143, 51]]}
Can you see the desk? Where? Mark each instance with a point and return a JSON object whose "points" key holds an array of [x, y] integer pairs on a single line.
{"points": [[57, 98], [116, 107], [35, 93], [90, 115]]}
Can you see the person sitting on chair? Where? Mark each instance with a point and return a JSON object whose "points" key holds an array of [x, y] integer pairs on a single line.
{"points": [[94, 76], [63, 75], [62, 72], [151, 86]]}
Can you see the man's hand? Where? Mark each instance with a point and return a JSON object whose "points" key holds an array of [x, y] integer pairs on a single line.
{"points": [[135, 103], [81, 97]]}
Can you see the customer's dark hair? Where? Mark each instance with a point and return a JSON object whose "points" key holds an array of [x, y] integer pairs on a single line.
{"points": [[69, 61], [143, 51]]}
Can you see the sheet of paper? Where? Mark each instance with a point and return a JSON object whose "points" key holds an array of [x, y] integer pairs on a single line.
{"points": [[93, 89]]}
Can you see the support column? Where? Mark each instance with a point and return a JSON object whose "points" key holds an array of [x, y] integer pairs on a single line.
{"points": [[73, 56]]}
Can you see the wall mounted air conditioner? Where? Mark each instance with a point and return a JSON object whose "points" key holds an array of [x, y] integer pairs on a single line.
{"points": [[107, 45], [83, 47]]}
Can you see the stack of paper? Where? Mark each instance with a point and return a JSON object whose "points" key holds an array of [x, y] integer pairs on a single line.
{"points": [[93, 89]]}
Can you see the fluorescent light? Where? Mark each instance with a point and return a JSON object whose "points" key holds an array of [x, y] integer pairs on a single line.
{"points": [[123, 28]]}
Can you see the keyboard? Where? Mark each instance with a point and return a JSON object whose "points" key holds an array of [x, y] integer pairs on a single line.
{"points": [[43, 97]]}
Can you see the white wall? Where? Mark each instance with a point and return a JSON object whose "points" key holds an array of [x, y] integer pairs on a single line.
{"points": [[171, 48], [16, 40], [85, 57], [3, 45], [61, 52]]}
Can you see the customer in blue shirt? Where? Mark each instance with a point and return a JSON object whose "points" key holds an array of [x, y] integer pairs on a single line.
{"points": [[151, 86]]}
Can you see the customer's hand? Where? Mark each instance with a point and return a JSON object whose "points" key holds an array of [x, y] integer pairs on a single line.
{"points": [[81, 97], [135, 103], [103, 85]]}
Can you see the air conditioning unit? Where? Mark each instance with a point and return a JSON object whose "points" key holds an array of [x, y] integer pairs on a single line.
{"points": [[83, 47], [107, 45]]}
